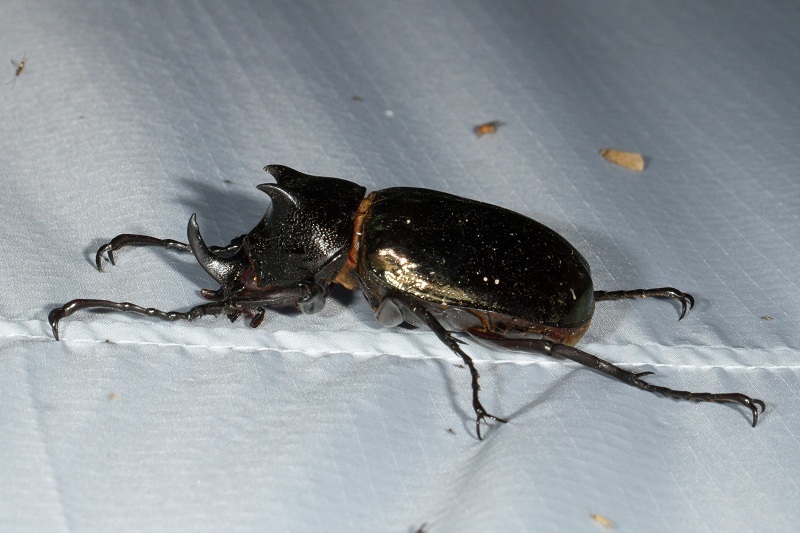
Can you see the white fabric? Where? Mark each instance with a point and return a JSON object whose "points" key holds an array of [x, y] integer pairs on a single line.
{"points": [[130, 116]]}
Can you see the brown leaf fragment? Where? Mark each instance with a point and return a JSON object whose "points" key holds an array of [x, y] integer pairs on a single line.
{"points": [[603, 521], [630, 160], [487, 128]]}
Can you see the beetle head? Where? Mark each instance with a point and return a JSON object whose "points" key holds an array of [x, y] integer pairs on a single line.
{"points": [[303, 238]]}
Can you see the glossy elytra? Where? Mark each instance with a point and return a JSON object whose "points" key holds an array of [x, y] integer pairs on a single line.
{"points": [[421, 257]]}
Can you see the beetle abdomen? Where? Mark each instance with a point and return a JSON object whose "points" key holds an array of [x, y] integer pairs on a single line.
{"points": [[452, 251]]}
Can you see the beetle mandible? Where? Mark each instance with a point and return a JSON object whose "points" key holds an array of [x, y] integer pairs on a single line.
{"points": [[421, 257]]}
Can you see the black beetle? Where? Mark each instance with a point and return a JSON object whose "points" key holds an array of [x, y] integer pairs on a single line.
{"points": [[420, 257]]}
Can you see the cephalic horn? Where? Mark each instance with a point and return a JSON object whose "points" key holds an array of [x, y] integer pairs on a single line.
{"points": [[217, 267]]}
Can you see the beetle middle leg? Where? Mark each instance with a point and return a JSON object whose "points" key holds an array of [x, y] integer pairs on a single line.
{"points": [[451, 342], [131, 239], [686, 299], [631, 378]]}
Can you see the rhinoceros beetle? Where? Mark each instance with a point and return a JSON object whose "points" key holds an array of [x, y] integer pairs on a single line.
{"points": [[421, 258]]}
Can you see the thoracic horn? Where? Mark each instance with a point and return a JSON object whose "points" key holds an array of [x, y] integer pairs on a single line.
{"points": [[217, 267], [279, 196]]}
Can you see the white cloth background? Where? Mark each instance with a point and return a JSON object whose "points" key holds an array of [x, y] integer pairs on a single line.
{"points": [[130, 116]]}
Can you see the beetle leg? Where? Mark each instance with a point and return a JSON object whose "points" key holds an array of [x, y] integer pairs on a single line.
{"points": [[258, 318], [213, 308], [631, 378], [686, 299], [130, 239], [451, 342], [232, 308]]}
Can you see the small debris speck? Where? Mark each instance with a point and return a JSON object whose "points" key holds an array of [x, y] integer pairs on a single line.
{"points": [[630, 160], [19, 66], [487, 128], [603, 521]]}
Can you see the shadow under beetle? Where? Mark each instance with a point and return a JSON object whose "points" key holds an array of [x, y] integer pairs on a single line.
{"points": [[420, 257]]}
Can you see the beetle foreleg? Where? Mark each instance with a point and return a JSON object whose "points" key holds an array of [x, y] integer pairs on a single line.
{"points": [[232, 308], [686, 299], [447, 338], [213, 308], [631, 378], [130, 239]]}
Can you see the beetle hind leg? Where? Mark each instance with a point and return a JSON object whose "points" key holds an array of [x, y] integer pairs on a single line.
{"points": [[686, 299], [631, 378], [130, 239]]}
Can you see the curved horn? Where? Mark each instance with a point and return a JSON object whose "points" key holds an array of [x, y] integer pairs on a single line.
{"points": [[217, 267], [278, 195], [280, 171]]}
